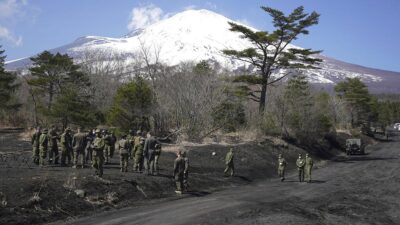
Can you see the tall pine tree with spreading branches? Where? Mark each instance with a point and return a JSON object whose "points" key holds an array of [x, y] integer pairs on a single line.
{"points": [[8, 85], [271, 55]]}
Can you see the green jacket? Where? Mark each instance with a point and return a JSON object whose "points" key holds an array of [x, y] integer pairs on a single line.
{"points": [[43, 141], [300, 163], [123, 146], [309, 162], [98, 144], [229, 158], [282, 163]]}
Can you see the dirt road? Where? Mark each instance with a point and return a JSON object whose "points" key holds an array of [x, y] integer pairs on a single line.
{"points": [[354, 190]]}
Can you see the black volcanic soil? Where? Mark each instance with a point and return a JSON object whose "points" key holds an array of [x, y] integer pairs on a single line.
{"points": [[54, 186]]}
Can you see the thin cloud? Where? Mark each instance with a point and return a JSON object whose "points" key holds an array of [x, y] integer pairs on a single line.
{"points": [[142, 17], [7, 35], [189, 7], [12, 8], [211, 5]]}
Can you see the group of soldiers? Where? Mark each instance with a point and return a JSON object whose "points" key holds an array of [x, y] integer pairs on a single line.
{"points": [[97, 146], [304, 167]]}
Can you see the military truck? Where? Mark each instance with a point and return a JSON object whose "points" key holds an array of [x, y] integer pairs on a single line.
{"points": [[354, 146]]}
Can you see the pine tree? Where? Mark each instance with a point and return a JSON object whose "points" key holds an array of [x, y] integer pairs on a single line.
{"points": [[271, 54], [132, 106], [51, 73], [8, 85], [358, 99]]}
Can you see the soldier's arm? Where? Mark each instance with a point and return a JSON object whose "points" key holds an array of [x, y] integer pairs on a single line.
{"points": [[175, 165], [186, 165]]}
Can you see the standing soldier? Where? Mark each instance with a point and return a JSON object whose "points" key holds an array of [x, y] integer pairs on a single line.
{"points": [[66, 146], [43, 146], [113, 141], [308, 166], [149, 153], [108, 143], [79, 144], [123, 147], [53, 146], [281, 167], [229, 163], [35, 146], [88, 149], [98, 154], [137, 153], [179, 168], [185, 172], [300, 166], [157, 154], [130, 138]]}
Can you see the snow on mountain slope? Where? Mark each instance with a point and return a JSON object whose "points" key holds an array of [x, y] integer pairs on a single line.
{"points": [[195, 35]]}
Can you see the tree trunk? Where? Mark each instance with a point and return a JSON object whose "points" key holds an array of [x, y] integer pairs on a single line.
{"points": [[263, 98]]}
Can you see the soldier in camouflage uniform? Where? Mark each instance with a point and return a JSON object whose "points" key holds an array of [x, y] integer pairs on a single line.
{"points": [[43, 146], [66, 147], [137, 153], [300, 167], [130, 138], [109, 143], [179, 170], [88, 149], [79, 145], [113, 140], [229, 163], [281, 167], [98, 153], [35, 145], [123, 147], [185, 172], [149, 152], [53, 146], [308, 167]]}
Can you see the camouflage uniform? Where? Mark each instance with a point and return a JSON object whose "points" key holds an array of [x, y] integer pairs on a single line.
{"points": [[123, 147], [43, 146], [185, 172], [138, 153], [113, 140], [98, 154], [229, 163], [35, 146], [66, 147], [157, 154], [300, 166], [79, 145], [281, 167], [307, 168], [149, 152], [179, 170], [109, 140], [53, 146], [130, 138], [88, 149]]}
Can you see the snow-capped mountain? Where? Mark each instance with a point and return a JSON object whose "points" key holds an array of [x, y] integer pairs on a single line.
{"points": [[195, 35]]}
